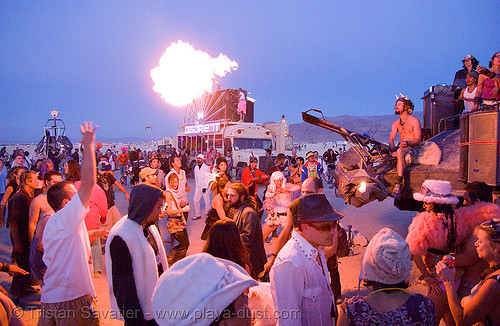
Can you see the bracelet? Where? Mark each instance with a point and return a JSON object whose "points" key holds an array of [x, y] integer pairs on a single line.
{"points": [[273, 254]]}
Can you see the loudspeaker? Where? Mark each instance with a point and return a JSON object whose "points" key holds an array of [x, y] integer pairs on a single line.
{"points": [[438, 105], [464, 148], [484, 147], [249, 117]]}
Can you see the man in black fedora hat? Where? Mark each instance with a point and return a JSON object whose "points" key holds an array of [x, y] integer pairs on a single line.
{"points": [[299, 277]]}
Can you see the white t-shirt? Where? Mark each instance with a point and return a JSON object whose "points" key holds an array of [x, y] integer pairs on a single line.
{"points": [[66, 254], [182, 183]]}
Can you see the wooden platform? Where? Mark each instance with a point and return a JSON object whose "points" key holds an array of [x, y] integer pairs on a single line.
{"points": [[448, 168]]}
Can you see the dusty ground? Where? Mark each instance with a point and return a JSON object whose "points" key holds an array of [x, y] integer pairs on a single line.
{"points": [[368, 219]]}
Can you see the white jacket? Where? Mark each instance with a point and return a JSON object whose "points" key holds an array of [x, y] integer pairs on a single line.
{"points": [[201, 176]]}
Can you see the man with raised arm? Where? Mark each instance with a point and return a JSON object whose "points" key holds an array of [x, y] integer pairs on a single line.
{"points": [[409, 130], [68, 290]]}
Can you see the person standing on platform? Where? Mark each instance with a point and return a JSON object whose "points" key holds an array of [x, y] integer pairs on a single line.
{"points": [[242, 104]]}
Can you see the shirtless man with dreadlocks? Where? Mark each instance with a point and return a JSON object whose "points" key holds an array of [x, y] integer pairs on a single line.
{"points": [[409, 130]]}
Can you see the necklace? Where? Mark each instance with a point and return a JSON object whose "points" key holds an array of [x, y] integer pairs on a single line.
{"points": [[401, 122], [388, 289]]}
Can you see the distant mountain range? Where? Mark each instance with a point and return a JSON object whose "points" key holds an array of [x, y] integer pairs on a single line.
{"points": [[376, 126]]}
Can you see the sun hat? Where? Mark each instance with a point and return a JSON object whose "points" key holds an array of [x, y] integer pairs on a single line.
{"points": [[436, 191], [201, 156], [315, 208], [387, 259], [146, 171], [197, 288], [309, 154]]}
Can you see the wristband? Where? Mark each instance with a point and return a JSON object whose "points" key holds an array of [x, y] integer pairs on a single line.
{"points": [[273, 254]]}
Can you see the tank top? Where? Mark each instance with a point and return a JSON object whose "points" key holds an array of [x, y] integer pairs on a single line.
{"points": [[488, 87], [469, 96]]}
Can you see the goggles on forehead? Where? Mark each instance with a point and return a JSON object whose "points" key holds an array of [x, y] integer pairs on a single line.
{"points": [[494, 225]]}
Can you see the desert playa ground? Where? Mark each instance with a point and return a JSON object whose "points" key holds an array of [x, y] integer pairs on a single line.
{"points": [[367, 219]]}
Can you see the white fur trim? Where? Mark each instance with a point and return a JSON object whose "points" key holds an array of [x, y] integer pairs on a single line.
{"points": [[432, 188], [437, 200]]}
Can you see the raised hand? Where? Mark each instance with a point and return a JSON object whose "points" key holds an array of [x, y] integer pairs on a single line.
{"points": [[88, 133]]}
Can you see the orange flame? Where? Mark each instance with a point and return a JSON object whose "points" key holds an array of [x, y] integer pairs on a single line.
{"points": [[184, 73]]}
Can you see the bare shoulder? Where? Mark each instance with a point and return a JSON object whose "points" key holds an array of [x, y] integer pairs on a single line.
{"points": [[217, 200], [414, 121]]}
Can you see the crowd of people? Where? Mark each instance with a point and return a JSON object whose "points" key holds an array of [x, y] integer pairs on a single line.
{"points": [[63, 219], [56, 233]]}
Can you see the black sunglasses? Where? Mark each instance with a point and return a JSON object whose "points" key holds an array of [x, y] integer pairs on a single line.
{"points": [[324, 227]]}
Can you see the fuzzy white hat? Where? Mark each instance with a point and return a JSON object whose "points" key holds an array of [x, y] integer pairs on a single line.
{"points": [[436, 191], [387, 259], [197, 288]]}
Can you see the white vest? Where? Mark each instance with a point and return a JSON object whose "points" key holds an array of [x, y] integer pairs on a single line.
{"points": [[143, 263]]}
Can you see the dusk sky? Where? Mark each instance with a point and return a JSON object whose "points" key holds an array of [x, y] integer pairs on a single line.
{"points": [[91, 60]]}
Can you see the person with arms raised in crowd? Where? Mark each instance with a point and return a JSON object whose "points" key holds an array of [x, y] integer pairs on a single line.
{"points": [[68, 288]]}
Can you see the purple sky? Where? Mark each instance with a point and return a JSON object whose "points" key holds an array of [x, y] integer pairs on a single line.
{"points": [[91, 59]]}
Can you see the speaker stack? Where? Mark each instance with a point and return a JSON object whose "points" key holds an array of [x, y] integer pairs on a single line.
{"points": [[483, 162]]}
